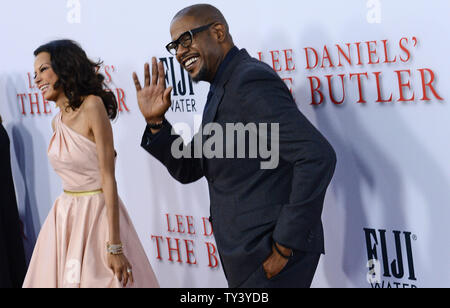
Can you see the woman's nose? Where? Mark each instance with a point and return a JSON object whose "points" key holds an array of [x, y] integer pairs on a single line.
{"points": [[37, 79]]}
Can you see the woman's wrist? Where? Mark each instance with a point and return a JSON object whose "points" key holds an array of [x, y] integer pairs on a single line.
{"points": [[114, 241], [114, 235], [114, 249]]}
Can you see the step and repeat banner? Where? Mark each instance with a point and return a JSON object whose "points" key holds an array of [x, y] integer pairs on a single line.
{"points": [[372, 75]]}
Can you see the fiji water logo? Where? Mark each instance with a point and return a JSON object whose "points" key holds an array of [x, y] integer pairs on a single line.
{"points": [[183, 95], [387, 267]]}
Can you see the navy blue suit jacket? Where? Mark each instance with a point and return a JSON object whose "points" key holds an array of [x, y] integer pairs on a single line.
{"points": [[252, 207]]}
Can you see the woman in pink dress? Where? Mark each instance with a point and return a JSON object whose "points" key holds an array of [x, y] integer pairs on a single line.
{"points": [[88, 239]]}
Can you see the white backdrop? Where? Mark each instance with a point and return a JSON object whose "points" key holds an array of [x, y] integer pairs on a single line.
{"points": [[390, 193]]}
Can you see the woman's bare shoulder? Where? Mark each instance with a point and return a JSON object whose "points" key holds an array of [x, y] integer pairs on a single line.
{"points": [[93, 102], [93, 107]]}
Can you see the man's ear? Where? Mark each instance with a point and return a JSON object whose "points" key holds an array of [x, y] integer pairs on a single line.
{"points": [[219, 32]]}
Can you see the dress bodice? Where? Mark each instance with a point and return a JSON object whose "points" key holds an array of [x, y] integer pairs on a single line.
{"points": [[74, 158]]}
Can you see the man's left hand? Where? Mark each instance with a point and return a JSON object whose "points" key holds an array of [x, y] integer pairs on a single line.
{"points": [[276, 263]]}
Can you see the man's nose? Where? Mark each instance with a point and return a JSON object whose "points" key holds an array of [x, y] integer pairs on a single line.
{"points": [[181, 52]]}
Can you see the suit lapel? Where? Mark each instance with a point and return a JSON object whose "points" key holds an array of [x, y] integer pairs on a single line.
{"points": [[212, 107], [210, 112]]}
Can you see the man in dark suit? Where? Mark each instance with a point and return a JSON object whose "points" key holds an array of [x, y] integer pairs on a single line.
{"points": [[13, 266], [266, 220]]}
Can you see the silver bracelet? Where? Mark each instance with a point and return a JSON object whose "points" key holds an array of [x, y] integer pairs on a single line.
{"points": [[114, 249]]}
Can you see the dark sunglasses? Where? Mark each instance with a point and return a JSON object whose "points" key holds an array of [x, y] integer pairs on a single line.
{"points": [[185, 39]]}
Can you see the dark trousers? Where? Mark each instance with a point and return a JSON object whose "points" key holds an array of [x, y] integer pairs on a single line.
{"points": [[298, 273]]}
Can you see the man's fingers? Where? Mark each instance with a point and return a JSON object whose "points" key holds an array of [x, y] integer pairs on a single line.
{"points": [[147, 74], [154, 71], [136, 82], [167, 94], [162, 75]]}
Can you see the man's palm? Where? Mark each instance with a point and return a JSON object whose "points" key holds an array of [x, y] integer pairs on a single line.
{"points": [[154, 99]]}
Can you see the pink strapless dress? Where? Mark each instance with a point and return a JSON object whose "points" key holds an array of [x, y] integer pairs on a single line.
{"points": [[71, 249]]}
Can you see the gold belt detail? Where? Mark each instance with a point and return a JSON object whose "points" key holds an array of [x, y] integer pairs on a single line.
{"points": [[83, 193]]}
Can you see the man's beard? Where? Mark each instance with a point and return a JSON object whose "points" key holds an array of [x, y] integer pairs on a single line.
{"points": [[201, 76]]}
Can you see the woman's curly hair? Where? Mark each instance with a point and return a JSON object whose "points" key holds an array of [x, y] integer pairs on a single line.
{"points": [[77, 75]]}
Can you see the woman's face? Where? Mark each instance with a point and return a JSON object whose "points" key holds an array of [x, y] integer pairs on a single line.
{"points": [[45, 78]]}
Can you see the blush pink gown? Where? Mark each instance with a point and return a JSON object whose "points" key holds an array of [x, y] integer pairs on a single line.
{"points": [[71, 249]]}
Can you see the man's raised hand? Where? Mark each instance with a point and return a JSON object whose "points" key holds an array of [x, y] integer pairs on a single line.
{"points": [[154, 99]]}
